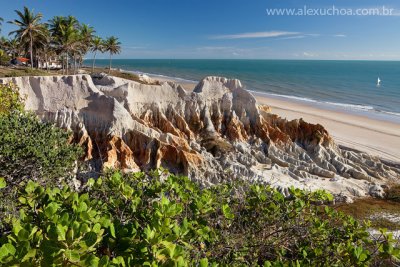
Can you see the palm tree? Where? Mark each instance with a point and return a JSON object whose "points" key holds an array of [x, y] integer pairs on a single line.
{"points": [[3, 42], [43, 47], [64, 31], [97, 46], [70, 39], [2, 52], [86, 33], [1, 20], [55, 26], [113, 46], [13, 47], [29, 27]]}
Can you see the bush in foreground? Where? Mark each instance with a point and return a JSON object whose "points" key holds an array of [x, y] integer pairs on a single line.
{"points": [[166, 220], [32, 149], [29, 148]]}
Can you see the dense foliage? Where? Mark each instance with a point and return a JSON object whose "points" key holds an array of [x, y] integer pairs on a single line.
{"points": [[28, 147], [136, 220]]}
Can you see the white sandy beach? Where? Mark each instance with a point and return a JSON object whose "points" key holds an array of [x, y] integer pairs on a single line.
{"points": [[376, 137], [380, 138]]}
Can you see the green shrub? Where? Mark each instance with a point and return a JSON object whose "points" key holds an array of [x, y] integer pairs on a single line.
{"points": [[30, 149], [10, 99], [160, 220], [4, 58]]}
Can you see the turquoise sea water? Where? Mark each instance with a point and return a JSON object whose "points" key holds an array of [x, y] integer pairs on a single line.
{"points": [[344, 85]]}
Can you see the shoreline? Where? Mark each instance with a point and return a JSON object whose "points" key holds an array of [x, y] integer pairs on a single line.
{"points": [[374, 136]]}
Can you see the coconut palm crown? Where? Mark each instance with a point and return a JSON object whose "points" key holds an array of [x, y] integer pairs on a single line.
{"points": [[29, 28], [112, 46]]}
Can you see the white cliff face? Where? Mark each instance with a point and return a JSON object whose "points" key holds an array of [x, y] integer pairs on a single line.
{"points": [[215, 133]]}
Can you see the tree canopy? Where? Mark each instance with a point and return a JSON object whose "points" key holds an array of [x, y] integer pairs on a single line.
{"points": [[63, 38]]}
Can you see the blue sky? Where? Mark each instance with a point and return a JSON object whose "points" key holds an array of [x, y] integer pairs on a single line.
{"points": [[231, 28]]}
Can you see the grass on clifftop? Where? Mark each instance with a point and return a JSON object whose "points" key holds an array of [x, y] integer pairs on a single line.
{"points": [[120, 74], [24, 71]]}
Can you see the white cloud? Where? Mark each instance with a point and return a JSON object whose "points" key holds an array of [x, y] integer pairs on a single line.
{"points": [[293, 37], [313, 34], [248, 35], [309, 54], [286, 35]]}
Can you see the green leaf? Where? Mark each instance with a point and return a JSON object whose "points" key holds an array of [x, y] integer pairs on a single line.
{"points": [[99, 181], [104, 261], [72, 255], [112, 230], [51, 209], [90, 239], [61, 231], [119, 260], [2, 183], [96, 228], [7, 249], [70, 236], [90, 182], [204, 262], [226, 210], [92, 261], [23, 235], [82, 207], [31, 254], [84, 228], [30, 187]]}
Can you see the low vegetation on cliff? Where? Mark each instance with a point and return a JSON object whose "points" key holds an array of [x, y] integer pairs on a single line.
{"points": [[156, 218]]}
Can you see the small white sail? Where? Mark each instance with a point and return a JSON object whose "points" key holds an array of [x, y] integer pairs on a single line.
{"points": [[378, 82]]}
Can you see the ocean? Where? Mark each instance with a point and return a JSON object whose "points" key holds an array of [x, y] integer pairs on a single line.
{"points": [[349, 86]]}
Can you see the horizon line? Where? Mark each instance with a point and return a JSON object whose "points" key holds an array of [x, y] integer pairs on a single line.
{"points": [[258, 59]]}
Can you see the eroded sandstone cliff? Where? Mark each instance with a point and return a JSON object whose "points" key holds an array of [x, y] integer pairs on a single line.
{"points": [[214, 133]]}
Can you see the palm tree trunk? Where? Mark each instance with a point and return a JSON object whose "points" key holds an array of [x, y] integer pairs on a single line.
{"points": [[47, 62], [63, 65], [109, 71], [31, 49], [94, 61], [67, 63], [74, 63]]}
